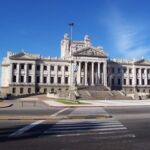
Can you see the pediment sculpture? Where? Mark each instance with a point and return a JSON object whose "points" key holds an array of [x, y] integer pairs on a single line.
{"points": [[90, 52]]}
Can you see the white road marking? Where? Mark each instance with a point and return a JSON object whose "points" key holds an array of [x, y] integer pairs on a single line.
{"points": [[72, 122], [112, 129], [62, 110], [86, 124], [101, 137], [87, 127], [82, 131], [28, 127]]}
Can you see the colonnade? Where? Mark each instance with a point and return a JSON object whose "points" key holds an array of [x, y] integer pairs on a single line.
{"points": [[91, 73]]}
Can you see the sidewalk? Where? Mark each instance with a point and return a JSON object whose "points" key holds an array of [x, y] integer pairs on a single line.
{"points": [[101, 103], [115, 103], [4, 104]]}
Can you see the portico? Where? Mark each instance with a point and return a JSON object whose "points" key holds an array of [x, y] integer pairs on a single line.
{"points": [[90, 73]]}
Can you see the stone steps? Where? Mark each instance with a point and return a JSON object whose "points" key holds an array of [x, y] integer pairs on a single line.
{"points": [[101, 93]]}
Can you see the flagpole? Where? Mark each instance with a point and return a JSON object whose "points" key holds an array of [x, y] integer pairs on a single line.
{"points": [[71, 30]]}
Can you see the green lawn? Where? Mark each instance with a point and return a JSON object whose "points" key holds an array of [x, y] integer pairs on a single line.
{"points": [[70, 102]]}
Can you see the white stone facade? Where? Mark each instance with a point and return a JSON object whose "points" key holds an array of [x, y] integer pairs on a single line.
{"points": [[80, 64]]}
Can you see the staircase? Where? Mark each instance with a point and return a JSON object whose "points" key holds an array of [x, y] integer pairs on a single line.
{"points": [[117, 95], [94, 88], [100, 93], [84, 94]]}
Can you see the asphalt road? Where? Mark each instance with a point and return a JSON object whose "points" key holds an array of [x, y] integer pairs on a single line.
{"points": [[129, 129], [28, 109]]}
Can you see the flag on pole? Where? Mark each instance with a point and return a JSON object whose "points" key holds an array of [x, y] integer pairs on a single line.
{"points": [[71, 24]]}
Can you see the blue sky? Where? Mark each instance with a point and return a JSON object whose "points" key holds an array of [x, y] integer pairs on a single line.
{"points": [[122, 27]]}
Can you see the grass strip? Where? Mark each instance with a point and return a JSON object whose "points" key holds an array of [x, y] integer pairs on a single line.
{"points": [[71, 102]]}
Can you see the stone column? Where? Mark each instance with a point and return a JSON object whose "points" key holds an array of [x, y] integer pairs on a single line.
{"points": [[134, 75], [98, 73], [48, 75], [56, 74], [102, 73], [146, 78], [11, 73], [18, 73], [92, 74], [26, 73], [127, 79], [63, 74], [85, 74], [79, 73], [33, 73], [41, 73], [140, 77], [105, 74]]}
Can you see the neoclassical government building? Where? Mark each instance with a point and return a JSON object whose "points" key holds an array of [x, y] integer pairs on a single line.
{"points": [[81, 65]]}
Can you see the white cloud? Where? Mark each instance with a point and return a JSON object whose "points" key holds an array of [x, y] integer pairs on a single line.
{"points": [[128, 37]]}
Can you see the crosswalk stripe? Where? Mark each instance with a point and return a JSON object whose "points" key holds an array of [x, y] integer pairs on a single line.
{"points": [[69, 131], [85, 127], [109, 129], [83, 121], [26, 128], [101, 137]]}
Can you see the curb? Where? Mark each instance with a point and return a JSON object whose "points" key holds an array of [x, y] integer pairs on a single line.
{"points": [[10, 105], [53, 117]]}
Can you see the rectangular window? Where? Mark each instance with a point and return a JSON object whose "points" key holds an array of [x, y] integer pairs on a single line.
{"points": [[119, 81], [66, 68], [45, 79], [52, 68], [14, 66], [59, 68], [124, 70], [52, 80], [37, 90], [21, 90], [59, 80], [14, 78], [148, 81], [66, 80], [29, 90], [22, 66], [130, 70], [112, 70], [137, 81], [37, 79], [137, 70], [21, 79], [148, 71], [14, 90], [124, 81], [112, 81], [142, 70], [29, 79], [119, 70], [30, 66], [45, 90], [45, 67], [130, 81], [38, 67], [143, 82]]}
